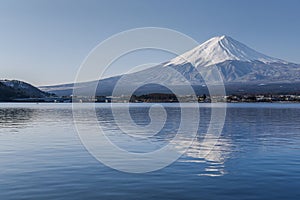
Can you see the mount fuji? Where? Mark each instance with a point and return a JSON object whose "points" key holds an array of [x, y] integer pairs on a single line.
{"points": [[242, 69], [219, 49]]}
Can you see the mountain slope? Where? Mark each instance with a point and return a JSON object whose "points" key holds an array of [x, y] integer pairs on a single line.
{"points": [[14, 89], [237, 64]]}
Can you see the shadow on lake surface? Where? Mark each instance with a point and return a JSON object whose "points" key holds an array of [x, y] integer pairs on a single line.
{"points": [[15, 118]]}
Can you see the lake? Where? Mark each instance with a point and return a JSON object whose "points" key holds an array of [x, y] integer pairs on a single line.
{"points": [[257, 156]]}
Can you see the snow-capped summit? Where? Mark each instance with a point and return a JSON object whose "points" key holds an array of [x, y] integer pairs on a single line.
{"points": [[219, 49]]}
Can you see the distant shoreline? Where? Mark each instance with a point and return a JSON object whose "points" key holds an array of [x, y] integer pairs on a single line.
{"points": [[165, 98]]}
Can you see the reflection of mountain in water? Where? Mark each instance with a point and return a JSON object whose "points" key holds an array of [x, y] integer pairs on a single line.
{"points": [[214, 156], [211, 152]]}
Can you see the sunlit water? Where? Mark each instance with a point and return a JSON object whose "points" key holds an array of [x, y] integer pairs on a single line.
{"points": [[256, 157]]}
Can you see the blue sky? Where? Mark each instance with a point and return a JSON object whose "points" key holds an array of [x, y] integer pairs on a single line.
{"points": [[44, 42]]}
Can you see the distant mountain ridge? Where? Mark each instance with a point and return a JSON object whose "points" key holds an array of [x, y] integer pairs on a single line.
{"points": [[240, 66], [11, 90]]}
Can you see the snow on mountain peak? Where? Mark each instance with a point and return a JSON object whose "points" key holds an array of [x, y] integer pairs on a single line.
{"points": [[219, 49]]}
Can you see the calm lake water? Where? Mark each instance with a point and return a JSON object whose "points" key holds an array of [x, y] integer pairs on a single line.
{"points": [[256, 157]]}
